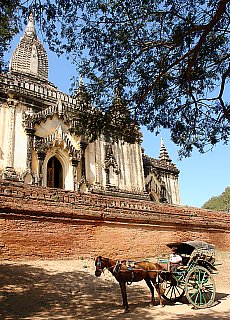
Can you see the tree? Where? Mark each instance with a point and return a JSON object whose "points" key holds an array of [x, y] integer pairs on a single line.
{"points": [[219, 203], [9, 25], [169, 59]]}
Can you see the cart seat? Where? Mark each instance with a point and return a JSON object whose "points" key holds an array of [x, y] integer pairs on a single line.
{"points": [[185, 259]]}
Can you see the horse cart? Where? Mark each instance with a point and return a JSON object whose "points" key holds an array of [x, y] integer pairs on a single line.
{"points": [[193, 277]]}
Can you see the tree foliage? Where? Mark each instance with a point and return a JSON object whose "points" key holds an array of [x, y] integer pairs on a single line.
{"points": [[9, 25], [219, 203], [169, 59]]}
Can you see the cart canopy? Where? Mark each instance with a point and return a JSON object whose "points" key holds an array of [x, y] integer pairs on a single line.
{"points": [[188, 247]]}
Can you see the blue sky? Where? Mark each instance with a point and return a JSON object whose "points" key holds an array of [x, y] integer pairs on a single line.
{"points": [[202, 176]]}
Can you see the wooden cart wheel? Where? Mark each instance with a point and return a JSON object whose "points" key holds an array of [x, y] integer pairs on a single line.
{"points": [[200, 287], [173, 289]]}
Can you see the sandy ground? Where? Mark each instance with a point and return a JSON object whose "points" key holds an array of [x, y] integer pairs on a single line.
{"points": [[68, 289]]}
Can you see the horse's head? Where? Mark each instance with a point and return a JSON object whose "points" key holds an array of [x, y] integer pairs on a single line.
{"points": [[100, 264]]}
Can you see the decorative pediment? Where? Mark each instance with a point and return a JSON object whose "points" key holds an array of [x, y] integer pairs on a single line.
{"points": [[158, 166], [58, 138], [60, 110]]}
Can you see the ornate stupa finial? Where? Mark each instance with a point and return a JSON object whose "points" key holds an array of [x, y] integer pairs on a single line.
{"points": [[81, 92], [81, 83], [30, 30], [164, 153], [117, 92], [81, 87], [117, 96]]}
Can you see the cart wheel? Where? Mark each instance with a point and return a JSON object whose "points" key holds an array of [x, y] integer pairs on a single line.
{"points": [[173, 289], [200, 287]]}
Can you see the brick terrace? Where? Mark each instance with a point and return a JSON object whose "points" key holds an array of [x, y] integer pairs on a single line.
{"points": [[44, 223]]}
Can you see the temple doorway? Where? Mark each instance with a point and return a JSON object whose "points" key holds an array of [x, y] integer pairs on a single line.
{"points": [[54, 173]]}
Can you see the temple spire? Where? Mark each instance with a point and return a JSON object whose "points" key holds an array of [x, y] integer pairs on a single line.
{"points": [[30, 56], [164, 153]]}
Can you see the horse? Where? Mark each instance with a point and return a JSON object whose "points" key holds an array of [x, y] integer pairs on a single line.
{"points": [[125, 273]]}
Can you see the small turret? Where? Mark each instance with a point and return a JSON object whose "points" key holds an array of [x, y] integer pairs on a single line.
{"points": [[164, 153]]}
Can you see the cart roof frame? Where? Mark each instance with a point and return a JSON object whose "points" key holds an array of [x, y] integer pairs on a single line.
{"points": [[187, 247]]}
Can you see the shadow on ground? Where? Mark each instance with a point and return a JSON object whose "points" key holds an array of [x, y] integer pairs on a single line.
{"points": [[28, 292]]}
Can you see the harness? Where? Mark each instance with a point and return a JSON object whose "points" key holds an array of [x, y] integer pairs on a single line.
{"points": [[117, 267], [129, 266]]}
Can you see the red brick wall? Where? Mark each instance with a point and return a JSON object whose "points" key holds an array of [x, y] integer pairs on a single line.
{"points": [[48, 223]]}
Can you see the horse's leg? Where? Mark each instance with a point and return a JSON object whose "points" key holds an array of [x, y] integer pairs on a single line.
{"points": [[158, 289], [124, 296], [151, 287]]}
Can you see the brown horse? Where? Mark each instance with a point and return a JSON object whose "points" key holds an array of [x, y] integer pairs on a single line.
{"points": [[142, 270]]}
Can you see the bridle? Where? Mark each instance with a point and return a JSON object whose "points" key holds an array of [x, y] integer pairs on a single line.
{"points": [[98, 264], [101, 265]]}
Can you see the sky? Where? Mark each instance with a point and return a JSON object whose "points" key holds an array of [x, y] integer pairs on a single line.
{"points": [[201, 177]]}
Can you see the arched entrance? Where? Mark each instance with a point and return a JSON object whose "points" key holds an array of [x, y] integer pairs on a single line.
{"points": [[54, 173]]}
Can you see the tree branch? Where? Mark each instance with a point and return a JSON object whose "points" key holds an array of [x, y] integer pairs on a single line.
{"points": [[224, 77], [220, 10]]}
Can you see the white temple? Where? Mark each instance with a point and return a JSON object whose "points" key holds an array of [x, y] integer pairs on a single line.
{"points": [[38, 144]]}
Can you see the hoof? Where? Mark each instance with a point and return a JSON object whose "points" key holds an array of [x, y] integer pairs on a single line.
{"points": [[160, 305], [126, 311]]}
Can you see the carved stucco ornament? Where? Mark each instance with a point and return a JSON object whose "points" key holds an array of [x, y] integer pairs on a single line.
{"points": [[110, 160]]}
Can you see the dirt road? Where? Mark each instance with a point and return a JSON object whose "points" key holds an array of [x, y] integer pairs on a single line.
{"points": [[68, 289]]}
